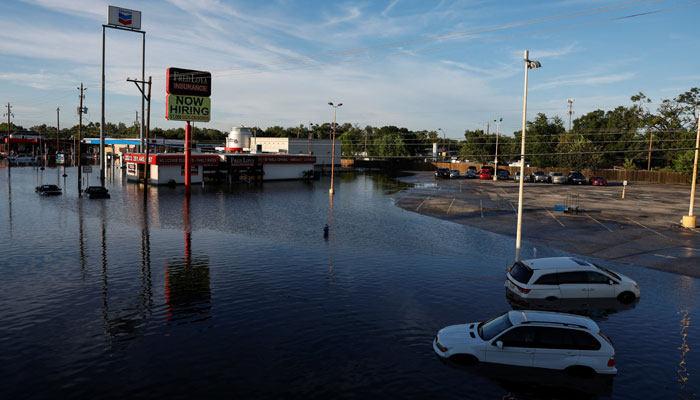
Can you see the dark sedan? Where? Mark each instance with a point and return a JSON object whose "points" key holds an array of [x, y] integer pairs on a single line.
{"points": [[576, 178], [97, 192], [442, 173]]}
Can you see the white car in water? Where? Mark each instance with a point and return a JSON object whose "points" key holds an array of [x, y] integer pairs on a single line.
{"points": [[538, 339], [568, 278]]}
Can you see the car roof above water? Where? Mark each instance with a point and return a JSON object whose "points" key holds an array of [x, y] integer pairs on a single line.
{"points": [[548, 317], [557, 263]]}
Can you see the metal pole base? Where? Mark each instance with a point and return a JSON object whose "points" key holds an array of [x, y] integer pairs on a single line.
{"points": [[689, 221]]}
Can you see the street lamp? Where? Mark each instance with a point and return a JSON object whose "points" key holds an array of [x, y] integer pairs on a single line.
{"points": [[689, 220], [335, 108], [444, 147], [495, 158], [528, 66]]}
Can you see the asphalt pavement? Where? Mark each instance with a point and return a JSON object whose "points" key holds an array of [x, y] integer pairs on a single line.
{"points": [[643, 229]]}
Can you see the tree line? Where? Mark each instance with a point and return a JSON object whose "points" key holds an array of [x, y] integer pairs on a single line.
{"points": [[599, 139]]}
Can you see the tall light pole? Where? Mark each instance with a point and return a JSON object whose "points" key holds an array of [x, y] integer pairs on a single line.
{"points": [[528, 66], [571, 110], [444, 147], [689, 220], [335, 108], [495, 158]]}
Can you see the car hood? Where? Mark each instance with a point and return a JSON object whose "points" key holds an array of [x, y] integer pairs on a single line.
{"points": [[626, 279], [458, 333]]}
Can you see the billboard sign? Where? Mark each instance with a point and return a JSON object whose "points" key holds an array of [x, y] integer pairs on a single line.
{"points": [[187, 108], [124, 18], [187, 82]]}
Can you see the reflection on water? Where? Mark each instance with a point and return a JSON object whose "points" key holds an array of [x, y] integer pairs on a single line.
{"points": [[122, 297], [596, 309], [536, 383], [683, 373]]}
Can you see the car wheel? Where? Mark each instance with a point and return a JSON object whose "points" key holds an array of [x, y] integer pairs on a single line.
{"points": [[626, 297], [464, 359]]}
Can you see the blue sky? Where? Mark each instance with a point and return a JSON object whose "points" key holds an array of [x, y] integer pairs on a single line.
{"points": [[453, 65]]}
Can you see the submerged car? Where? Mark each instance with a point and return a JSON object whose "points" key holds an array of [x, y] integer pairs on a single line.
{"points": [[568, 278], [48, 190], [442, 173], [557, 177], [540, 339], [598, 181], [97, 192]]}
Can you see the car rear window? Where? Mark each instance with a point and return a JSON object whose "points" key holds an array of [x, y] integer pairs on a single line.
{"points": [[521, 272], [584, 341]]}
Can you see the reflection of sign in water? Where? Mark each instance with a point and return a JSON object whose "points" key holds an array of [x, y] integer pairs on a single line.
{"points": [[187, 286], [60, 158], [131, 168], [194, 170], [87, 169]]}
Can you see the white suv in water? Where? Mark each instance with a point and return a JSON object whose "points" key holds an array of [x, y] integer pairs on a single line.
{"points": [[568, 278], [532, 339]]}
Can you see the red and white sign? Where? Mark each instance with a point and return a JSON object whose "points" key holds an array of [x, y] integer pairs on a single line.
{"points": [[172, 159]]}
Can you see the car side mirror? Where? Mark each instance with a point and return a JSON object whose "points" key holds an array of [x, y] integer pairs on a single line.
{"points": [[499, 344], [610, 282]]}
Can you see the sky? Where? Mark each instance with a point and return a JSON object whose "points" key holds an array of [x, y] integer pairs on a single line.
{"points": [[423, 65]]}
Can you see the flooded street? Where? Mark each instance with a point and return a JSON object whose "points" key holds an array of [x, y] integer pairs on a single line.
{"points": [[235, 292]]}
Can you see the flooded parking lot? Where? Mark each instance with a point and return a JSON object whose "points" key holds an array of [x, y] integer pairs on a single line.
{"points": [[235, 292]]}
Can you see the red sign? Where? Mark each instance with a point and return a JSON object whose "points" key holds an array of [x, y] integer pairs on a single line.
{"points": [[286, 159], [173, 159]]}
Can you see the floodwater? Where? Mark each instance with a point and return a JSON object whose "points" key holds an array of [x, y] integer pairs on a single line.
{"points": [[236, 293]]}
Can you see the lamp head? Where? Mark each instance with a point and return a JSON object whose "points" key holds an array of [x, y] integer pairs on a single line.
{"points": [[533, 64], [330, 103], [340, 104]]}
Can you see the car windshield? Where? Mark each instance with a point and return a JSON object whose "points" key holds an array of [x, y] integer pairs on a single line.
{"points": [[607, 271], [489, 329], [557, 174], [577, 175], [539, 173]]}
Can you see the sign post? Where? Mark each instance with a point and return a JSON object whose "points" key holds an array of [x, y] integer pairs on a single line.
{"points": [[188, 100], [624, 186]]}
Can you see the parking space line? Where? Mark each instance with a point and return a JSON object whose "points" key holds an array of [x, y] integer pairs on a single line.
{"points": [[513, 207], [601, 224], [649, 229], [450, 207], [555, 218], [481, 207], [421, 204], [663, 256]]}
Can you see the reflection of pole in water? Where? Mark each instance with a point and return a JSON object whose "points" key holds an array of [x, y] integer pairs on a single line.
{"points": [[683, 373], [146, 285], [188, 230], [331, 227], [9, 197], [81, 246]]}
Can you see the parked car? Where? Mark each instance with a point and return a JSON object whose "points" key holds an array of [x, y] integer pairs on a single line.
{"points": [[472, 169], [598, 181], [539, 339], [97, 192], [576, 178], [48, 190], [568, 278], [470, 175], [516, 177], [539, 176], [454, 174], [486, 174], [502, 175], [442, 173], [488, 167], [557, 177]]}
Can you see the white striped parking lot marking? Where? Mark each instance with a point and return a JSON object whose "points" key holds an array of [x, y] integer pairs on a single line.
{"points": [[649, 229], [555, 218], [601, 224], [421, 204], [663, 256], [450, 207]]}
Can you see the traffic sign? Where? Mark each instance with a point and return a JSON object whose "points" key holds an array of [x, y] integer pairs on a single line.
{"points": [[187, 108]]}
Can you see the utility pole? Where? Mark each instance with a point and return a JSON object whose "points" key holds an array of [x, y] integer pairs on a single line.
{"points": [[81, 111], [146, 97], [308, 142], [9, 114], [651, 140], [571, 110]]}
